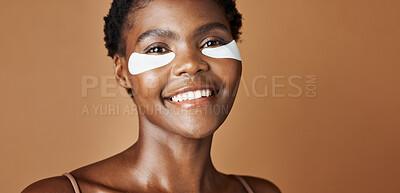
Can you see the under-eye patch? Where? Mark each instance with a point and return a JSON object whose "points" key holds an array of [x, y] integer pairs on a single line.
{"points": [[139, 63], [230, 50]]}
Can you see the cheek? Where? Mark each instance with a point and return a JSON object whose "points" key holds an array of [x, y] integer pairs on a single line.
{"points": [[229, 72], [236, 72], [147, 85]]}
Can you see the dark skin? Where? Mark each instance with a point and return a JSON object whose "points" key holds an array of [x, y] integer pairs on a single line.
{"points": [[172, 153]]}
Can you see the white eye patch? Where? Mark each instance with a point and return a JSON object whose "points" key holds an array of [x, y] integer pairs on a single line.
{"points": [[230, 50], [139, 63]]}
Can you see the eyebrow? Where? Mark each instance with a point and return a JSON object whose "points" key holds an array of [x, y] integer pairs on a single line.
{"points": [[210, 26], [173, 35], [157, 32]]}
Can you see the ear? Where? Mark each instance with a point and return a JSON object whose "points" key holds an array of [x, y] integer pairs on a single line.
{"points": [[121, 71]]}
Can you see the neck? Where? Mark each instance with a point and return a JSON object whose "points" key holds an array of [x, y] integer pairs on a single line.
{"points": [[172, 162]]}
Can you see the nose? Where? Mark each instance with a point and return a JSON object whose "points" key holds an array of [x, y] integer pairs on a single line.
{"points": [[189, 64]]}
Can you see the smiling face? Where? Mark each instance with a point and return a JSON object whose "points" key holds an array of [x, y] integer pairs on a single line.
{"points": [[192, 95]]}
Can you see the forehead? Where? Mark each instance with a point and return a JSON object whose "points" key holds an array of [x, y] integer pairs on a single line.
{"points": [[179, 16], [183, 12]]}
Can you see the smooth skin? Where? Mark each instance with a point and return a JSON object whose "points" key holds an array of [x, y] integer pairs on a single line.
{"points": [[172, 153]]}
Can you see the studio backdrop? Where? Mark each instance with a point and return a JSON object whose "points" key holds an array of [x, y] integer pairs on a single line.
{"points": [[317, 110]]}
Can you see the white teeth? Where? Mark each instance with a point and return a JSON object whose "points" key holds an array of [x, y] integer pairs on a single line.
{"points": [[185, 96], [191, 95], [208, 92], [179, 97], [197, 94]]}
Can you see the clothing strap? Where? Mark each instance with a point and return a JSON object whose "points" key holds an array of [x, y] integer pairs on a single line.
{"points": [[73, 182], [245, 184]]}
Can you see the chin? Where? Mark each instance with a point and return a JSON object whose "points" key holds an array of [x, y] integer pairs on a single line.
{"points": [[197, 131], [196, 126]]}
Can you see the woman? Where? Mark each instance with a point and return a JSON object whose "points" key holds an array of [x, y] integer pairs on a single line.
{"points": [[180, 62]]}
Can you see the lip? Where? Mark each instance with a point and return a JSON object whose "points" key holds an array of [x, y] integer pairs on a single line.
{"points": [[194, 102]]}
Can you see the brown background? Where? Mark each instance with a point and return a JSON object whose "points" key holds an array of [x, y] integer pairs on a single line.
{"points": [[346, 139]]}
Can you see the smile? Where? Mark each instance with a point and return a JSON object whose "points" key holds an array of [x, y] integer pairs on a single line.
{"points": [[192, 95]]}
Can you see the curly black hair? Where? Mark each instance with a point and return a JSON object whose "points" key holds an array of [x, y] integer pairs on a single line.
{"points": [[117, 21]]}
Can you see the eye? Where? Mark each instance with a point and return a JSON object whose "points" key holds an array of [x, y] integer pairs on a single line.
{"points": [[156, 50], [212, 43]]}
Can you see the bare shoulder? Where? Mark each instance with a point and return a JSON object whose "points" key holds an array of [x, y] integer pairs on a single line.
{"points": [[59, 184], [90, 177], [260, 185]]}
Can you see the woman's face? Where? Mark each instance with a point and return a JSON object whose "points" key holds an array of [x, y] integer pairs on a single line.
{"points": [[184, 28]]}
